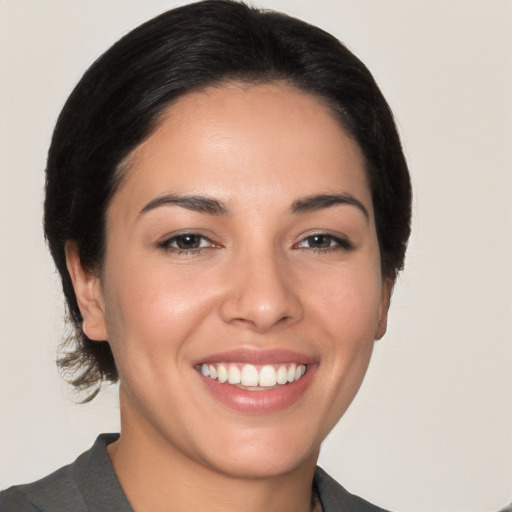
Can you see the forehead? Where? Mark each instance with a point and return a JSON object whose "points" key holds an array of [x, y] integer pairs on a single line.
{"points": [[244, 142]]}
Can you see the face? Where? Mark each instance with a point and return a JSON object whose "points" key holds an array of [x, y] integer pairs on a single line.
{"points": [[241, 290]]}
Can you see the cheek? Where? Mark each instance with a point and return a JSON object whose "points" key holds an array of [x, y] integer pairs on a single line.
{"points": [[349, 301], [154, 307], [348, 314]]}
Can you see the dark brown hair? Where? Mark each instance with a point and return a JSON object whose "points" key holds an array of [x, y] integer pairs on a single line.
{"points": [[118, 101]]}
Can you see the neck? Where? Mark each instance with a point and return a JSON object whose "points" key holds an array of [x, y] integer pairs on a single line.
{"points": [[157, 476]]}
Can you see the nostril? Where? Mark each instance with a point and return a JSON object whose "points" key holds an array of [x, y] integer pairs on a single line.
{"points": [[260, 299]]}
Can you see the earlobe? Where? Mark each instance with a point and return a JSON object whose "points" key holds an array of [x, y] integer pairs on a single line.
{"points": [[89, 296], [387, 289]]}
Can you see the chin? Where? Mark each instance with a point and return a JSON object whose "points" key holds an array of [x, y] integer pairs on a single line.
{"points": [[266, 465], [266, 453]]}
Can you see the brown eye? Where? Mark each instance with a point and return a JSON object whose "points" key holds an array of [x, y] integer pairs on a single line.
{"points": [[320, 241], [323, 241], [187, 242]]}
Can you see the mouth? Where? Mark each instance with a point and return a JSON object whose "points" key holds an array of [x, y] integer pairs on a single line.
{"points": [[253, 377], [257, 381]]}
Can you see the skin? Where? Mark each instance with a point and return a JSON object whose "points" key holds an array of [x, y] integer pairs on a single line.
{"points": [[259, 282]]}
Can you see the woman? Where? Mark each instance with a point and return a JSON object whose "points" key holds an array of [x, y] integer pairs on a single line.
{"points": [[228, 206]]}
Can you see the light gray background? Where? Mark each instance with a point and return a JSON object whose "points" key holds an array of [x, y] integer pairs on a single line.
{"points": [[431, 427]]}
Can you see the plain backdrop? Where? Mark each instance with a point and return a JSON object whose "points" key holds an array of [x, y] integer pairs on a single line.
{"points": [[431, 429]]}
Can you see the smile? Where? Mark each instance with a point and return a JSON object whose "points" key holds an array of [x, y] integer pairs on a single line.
{"points": [[253, 377]]}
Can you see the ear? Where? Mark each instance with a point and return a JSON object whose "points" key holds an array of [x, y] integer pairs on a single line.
{"points": [[387, 290], [88, 293]]}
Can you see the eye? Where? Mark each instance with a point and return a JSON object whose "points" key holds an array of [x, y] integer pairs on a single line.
{"points": [[324, 242], [187, 242]]}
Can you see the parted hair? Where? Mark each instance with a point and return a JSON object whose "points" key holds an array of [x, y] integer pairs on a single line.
{"points": [[117, 104]]}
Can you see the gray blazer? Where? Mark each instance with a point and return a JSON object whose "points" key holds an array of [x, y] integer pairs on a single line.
{"points": [[90, 485]]}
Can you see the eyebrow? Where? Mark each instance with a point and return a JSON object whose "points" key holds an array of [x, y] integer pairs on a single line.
{"points": [[322, 201], [213, 206], [199, 204]]}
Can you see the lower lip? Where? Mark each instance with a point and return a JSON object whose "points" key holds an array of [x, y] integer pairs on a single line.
{"points": [[261, 402]]}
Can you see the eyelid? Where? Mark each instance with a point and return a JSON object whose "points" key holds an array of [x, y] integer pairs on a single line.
{"points": [[167, 241], [343, 242]]}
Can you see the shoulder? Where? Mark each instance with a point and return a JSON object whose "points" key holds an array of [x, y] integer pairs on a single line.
{"points": [[13, 500], [335, 498], [56, 492], [77, 487]]}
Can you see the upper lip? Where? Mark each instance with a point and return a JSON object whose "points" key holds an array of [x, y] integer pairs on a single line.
{"points": [[256, 356]]}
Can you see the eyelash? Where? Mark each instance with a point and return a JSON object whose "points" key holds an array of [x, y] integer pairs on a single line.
{"points": [[194, 251], [335, 243]]}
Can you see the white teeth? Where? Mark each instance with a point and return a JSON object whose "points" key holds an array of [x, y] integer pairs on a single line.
{"points": [[267, 376], [249, 375], [291, 373], [222, 373], [282, 375], [234, 374]]}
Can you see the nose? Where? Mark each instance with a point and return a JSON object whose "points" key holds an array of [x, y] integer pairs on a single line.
{"points": [[261, 293]]}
